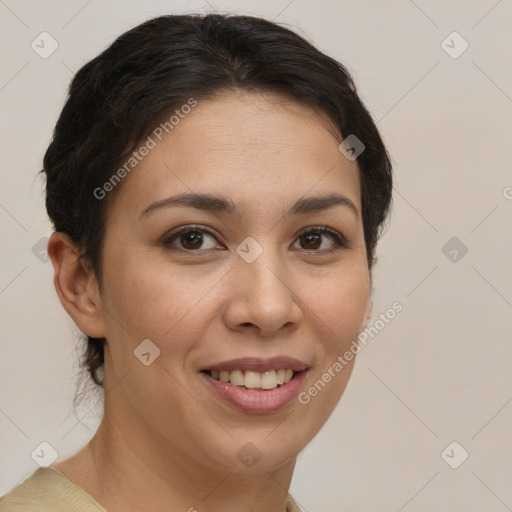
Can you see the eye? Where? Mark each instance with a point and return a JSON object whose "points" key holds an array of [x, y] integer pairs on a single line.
{"points": [[312, 239], [190, 238], [193, 239]]}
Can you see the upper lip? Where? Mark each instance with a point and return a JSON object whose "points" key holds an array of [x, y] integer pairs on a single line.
{"points": [[256, 364]]}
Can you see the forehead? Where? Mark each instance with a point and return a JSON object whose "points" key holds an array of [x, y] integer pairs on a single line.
{"points": [[257, 148]]}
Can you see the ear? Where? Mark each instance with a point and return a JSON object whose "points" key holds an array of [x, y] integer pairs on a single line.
{"points": [[76, 286]]}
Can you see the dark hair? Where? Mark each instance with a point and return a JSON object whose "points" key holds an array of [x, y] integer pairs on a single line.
{"points": [[115, 99]]}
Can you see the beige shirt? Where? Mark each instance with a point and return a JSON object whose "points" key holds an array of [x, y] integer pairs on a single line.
{"points": [[48, 490]]}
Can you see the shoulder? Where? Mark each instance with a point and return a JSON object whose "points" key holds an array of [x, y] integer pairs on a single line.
{"points": [[23, 497], [48, 490], [291, 506], [14, 503]]}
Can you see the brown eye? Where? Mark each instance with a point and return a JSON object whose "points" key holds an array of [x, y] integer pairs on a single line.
{"points": [[191, 239], [311, 240], [314, 238]]}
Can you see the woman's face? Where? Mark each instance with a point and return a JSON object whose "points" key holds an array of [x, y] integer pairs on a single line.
{"points": [[244, 281]]}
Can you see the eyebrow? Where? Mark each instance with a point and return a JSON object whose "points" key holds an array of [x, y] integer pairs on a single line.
{"points": [[218, 204]]}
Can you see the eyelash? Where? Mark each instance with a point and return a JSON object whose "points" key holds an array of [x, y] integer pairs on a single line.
{"points": [[339, 240]]}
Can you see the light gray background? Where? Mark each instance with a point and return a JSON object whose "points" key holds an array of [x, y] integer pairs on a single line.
{"points": [[439, 372]]}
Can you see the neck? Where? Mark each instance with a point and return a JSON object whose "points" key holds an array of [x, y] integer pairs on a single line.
{"points": [[133, 469]]}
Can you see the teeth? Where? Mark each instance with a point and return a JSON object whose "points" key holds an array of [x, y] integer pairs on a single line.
{"points": [[236, 378], [255, 380], [252, 380], [269, 380]]}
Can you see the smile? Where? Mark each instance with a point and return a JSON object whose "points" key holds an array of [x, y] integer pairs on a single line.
{"points": [[270, 379], [255, 385]]}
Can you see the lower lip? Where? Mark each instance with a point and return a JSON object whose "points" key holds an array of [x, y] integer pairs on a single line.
{"points": [[257, 402]]}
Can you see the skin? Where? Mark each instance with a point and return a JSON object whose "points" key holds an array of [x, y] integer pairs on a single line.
{"points": [[165, 438]]}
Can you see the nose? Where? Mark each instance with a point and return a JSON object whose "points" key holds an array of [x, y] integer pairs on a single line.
{"points": [[262, 298]]}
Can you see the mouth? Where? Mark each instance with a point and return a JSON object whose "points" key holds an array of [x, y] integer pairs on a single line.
{"points": [[255, 385], [252, 380]]}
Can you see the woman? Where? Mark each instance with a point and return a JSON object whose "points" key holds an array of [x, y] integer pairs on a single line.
{"points": [[217, 190]]}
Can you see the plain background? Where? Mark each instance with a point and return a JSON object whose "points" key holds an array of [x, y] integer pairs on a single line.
{"points": [[439, 372]]}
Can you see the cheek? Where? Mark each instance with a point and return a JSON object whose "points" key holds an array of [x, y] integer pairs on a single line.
{"points": [[146, 302], [339, 310], [339, 305], [149, 301]]}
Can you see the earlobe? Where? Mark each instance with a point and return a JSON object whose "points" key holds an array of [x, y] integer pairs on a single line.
{"points": [[76, 286]]}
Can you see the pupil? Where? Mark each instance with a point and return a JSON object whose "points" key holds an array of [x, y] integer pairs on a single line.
{"points": [[313, 238], [190, 240]]}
